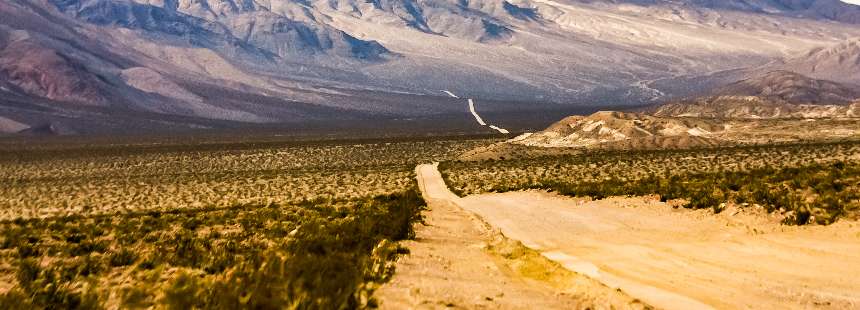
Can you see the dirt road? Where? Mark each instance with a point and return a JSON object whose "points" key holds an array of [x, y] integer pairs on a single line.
{"points": [[476, 116], [457, 261], [675, 258]]}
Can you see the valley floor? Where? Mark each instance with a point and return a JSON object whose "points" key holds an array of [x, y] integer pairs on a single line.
{"points": [[667, 257]]}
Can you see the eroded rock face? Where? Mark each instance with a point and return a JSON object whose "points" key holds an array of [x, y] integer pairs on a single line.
{"points": [[840, 62], [737, 107], [792, 87], [609, 127], [773, 95], [213, 24], [41, 71], [834, 10]]}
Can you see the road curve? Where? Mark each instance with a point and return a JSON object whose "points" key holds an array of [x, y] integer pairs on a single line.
{"points": [[677, 259], [476, 116], [448, 265]]}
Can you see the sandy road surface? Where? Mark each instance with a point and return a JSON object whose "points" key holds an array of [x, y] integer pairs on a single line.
{"points": [[681, 259], [450, 266], [678, 259]]}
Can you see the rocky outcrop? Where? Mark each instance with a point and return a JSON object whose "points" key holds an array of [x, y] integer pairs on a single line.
{"points": [[612, 127]]}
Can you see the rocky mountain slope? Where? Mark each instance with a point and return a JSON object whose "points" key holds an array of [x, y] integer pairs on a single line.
{"points": [[840, 63], [777, 94], [752, 107], [775, 106], [207, 63], [792, 87], [638, 131], [613, 127]]}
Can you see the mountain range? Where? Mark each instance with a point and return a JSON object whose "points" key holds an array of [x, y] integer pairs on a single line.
{"points": [[82, 66]]}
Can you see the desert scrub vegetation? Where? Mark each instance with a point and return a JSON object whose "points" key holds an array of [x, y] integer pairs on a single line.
{"points": [[309, 225], [818, 193], [809, 183], [45, 182], [321, 254]]}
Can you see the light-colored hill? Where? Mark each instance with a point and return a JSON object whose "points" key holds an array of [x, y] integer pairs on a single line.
{"points": [[640, 131], [614, 127]]}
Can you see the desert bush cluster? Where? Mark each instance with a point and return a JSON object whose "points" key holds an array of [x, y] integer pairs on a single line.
{"points": [[103, 181], [226, 226], [809, 183], [315, 254]]}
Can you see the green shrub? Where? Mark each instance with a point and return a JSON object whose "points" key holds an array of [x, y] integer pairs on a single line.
{"points": [[809, 193], [320, 254]]}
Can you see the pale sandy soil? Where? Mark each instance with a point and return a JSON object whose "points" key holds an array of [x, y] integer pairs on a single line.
{"points": [[669, 258], [457, 261]]}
